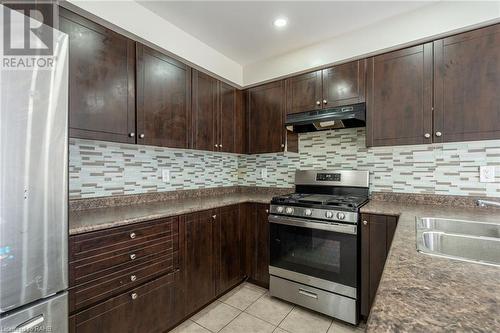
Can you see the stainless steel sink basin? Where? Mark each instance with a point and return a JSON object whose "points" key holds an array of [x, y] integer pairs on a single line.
{"points": [[472, 241]]}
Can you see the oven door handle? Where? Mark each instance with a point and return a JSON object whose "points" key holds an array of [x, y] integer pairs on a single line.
{"points": [[296, 222]]}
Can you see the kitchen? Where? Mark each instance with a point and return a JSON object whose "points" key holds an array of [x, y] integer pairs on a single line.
{"points": [[250, 167]]}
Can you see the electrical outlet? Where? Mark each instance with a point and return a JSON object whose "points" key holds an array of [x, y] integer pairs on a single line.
{"points": [[263, 173], [165, 175], [487, 174]]}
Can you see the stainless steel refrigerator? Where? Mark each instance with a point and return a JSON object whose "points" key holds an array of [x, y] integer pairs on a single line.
{"points": [[33, 193]]}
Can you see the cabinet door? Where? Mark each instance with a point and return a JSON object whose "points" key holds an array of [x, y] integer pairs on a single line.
{"points": [[163, 99], [229, 248], [204, 111], [344, 84], [377, 232], [148, 308], [240, 123], [303, 93], [265, 114], [227, 118], [249, 254], [399, 97], [467, 86], [101, 81], [262, 245], [199, 260]]}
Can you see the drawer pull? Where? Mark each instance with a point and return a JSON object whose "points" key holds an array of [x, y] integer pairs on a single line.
{"points": [[133, 278], [133, 256], [132, 235], [308, 293], [134, 295]]}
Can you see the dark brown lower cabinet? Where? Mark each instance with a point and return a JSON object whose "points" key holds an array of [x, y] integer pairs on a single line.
{"points": [[199, 259], [377, 232], [149, 276], [151, 307], [256, 243], [228, 240]]}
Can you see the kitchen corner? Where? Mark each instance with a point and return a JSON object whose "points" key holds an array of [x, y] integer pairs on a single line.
{"points": [[424, 293]]}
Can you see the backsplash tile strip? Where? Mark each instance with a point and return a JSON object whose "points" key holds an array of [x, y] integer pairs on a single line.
{"points": [[99, 169], [104, 169]]}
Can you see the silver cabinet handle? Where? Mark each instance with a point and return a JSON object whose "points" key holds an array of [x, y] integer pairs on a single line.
{"points": [[30, 324], [220, 145], [216, 146], [133, 256], [134, 295], [282, 145], [318, 103], [308, 293], [267, 210], [438, 134], [132, 134], [365, 222], [141, 135], [132, 235], [325, 101], [214, 217], [133, 278], [427, 135]]}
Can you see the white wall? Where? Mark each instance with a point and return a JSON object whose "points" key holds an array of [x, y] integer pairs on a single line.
{"points": [[423, 23], [129, 15]]}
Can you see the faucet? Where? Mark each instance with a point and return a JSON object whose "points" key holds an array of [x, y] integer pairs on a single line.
{"points": [[485, 203]]}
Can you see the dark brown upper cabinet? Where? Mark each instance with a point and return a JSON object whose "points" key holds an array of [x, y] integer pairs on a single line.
{"points": [[339, 85], [304, 92], [163, 99], [101, 81], [344, 84], [205, 106], [399, 97], [227, 117], [266, 132], [467, 86]]}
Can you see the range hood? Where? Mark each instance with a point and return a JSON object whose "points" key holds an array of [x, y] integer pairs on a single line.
{"points": [[334, 118]]}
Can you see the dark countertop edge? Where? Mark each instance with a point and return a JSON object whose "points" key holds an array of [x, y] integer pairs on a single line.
{"points": [[118, 223]]}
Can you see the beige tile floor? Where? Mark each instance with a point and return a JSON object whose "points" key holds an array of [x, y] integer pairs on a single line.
{"points": [[249, 309]]}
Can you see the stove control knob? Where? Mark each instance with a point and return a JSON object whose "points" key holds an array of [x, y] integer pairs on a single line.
{"points": [[289, 210], [329, 215], [341, 216], [308, 212], [279, 209]]}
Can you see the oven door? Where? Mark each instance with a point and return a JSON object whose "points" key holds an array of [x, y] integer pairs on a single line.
{"points": [[323, 255]]}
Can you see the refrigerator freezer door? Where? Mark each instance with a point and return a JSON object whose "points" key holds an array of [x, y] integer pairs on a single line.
{"points": [[49, 315], [33, 181]]}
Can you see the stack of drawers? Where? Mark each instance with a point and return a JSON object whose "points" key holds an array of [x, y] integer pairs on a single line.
{"points": [[119, 274]]}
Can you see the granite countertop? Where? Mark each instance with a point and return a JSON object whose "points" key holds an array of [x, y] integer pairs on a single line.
{"points": [[101, 218], [422, 293]]}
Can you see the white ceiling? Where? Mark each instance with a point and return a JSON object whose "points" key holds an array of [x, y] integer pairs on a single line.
{"points": [[244, 31]]}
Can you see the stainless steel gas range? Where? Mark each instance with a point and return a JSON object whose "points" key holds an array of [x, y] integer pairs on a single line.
{"points": [[315, 243]]}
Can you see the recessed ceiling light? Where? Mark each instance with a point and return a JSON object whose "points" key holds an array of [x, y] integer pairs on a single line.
{"points": [[280, 22]]}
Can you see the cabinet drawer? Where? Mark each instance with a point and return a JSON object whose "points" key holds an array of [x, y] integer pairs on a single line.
{"points": [[99, 289], [152, 307], [90, 268], [114, 239]]}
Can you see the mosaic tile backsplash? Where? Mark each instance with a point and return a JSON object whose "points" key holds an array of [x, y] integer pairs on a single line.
{"points": [[448, 168], [104, 169], [99, 169]]}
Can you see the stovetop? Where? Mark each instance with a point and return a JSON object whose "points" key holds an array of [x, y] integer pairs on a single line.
{"points": [[325, 201]]}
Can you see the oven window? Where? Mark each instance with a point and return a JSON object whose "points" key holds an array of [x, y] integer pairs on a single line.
{"points": [[327, 255]]}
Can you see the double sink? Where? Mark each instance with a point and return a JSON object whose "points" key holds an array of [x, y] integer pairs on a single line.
{"points": [[471, 241]]}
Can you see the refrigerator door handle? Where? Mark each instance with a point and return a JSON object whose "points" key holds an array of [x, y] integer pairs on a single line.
{"points": [[28, 325]]}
